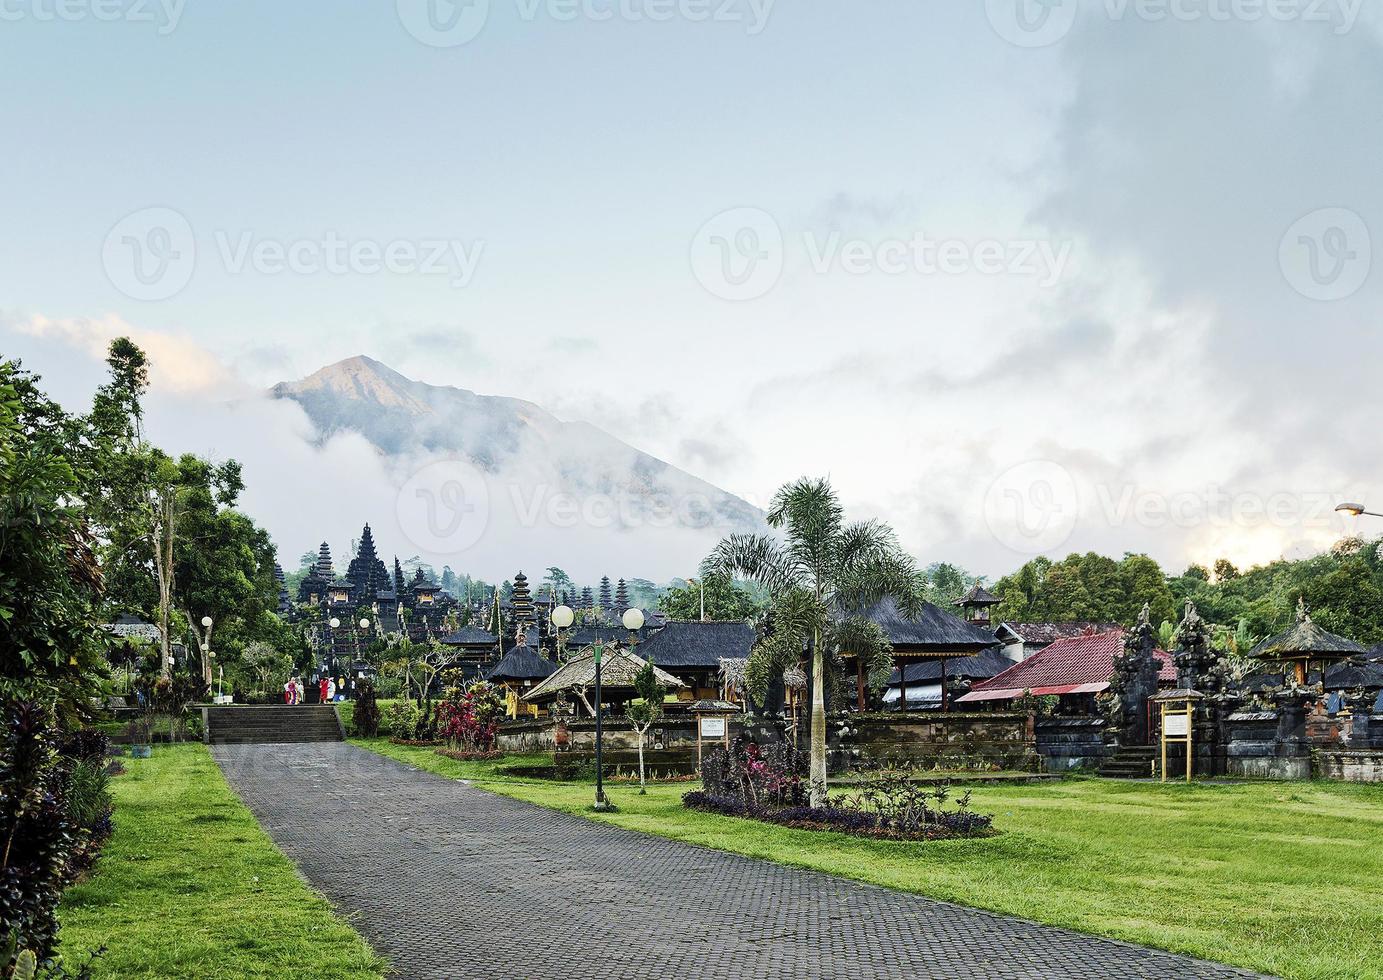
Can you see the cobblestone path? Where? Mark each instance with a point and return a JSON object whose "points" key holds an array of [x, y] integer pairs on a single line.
{"points": [[447, 880]]}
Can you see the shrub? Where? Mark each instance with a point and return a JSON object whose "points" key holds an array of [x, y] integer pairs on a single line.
{"points": [[38, 834], [765, 784], [468, 719], [365, 720], [401, 717]]}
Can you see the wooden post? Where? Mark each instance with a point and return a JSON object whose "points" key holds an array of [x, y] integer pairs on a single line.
{"points": [[1188, 741], [698, 741], [945, 700], [1163, 735], [902, 687], [859, 681]]}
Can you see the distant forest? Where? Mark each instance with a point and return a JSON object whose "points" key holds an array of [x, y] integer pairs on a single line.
{"points": [[1343, 588]]}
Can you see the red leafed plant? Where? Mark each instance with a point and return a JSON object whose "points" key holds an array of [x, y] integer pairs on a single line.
{"points": [[469, 718]]}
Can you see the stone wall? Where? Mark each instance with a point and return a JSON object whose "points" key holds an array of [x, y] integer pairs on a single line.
{"points": [[1071, 743], [944, 740], [1356, 765], [1268, 744]]}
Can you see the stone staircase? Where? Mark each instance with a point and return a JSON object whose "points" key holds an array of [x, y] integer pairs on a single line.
{"points": [[1130, 762], [270, 723]]}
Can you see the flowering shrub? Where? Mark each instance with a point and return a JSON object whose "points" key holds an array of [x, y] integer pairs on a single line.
{"points": [[469, 719], [400, 717], [764, 783]]}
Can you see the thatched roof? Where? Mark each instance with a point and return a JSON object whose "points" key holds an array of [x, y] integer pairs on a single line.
{"points": [[1303, 640], [617, 672], [934, 630], [978, 596], [698, 644], [982, 666], [521, 663], [1367, 674], [469, 636]]}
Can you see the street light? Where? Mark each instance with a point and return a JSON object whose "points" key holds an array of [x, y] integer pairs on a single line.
{"points": [[1355, 510], [561, 617], [633, 620]]}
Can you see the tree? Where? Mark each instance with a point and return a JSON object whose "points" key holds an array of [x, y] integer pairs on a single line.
{"points": [[264, 662], [820, 577], [724, 599], [644, 712], [557, 580], [51, 647]]}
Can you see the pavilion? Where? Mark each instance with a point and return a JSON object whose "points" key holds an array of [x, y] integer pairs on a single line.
{"points": [[577, 676], [934, 635], [1306, 645], [695, 650], [1073, 667], [517, 672]]}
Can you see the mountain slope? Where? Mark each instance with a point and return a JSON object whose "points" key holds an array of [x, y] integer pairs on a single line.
{"points": [[516, 441]]}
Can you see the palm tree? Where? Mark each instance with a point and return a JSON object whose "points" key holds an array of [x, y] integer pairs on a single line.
{"points": [[820, 576]]}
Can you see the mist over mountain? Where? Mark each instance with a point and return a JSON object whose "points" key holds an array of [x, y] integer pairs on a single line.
{"points": [[482, 472]]}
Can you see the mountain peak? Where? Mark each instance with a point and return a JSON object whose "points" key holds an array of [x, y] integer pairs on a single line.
{"points": [[359, 378]]}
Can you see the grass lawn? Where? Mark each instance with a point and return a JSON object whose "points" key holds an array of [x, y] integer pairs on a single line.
{"points": [[1285, 878], [190, 886]]}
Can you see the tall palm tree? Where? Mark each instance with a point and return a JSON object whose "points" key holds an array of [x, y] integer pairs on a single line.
{"points": [[821, 574]]}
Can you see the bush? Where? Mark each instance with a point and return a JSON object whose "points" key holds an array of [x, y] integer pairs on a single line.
{"points": [[365, 719], [765, 784], [38, 833], [401, 718], [468, 719]]}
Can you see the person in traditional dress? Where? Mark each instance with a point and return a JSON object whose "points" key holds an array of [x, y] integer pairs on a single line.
{"points": [[331, 689], [322, 687]]}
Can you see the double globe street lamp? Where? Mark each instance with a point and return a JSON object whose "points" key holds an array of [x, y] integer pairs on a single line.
{"points": [[562, 617]]}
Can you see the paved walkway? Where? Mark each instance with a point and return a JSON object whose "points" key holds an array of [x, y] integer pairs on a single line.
{"points": [[450, 881]]}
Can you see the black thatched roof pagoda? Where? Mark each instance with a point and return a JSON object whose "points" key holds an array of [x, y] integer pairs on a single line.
{"points": [[698, 644], [1305, 642], [521, 663], [934, 632]]}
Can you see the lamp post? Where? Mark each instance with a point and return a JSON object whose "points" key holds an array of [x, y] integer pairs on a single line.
{"points": [[206, 651], [633, 621], [330, 663], [1355, 510], [562, 617], [364, 625]]}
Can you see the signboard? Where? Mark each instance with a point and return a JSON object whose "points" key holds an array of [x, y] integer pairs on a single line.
{"points": [[1174, 726], [712, 727]]}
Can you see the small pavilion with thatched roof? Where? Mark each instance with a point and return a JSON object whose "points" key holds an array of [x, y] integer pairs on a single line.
{"points": [[1304, 646], [577, 676], [518, 671]]}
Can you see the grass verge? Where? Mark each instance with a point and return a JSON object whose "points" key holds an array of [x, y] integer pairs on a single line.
{"points": [[1284, 878], [191, 887]]}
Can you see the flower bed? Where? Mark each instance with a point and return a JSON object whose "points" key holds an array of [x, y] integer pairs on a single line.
{"points": [[765, 783], [417, 743], [463, 755]]}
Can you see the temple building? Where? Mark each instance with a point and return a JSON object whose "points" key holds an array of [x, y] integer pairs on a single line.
{"points": [[696, 652]]}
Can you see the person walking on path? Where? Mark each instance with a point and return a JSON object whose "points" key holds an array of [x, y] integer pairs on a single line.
{"points": [[322, 687]]}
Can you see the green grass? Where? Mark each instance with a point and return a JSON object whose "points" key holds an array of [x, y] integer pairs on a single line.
{"points": [[1284, 878], [190, 886]]}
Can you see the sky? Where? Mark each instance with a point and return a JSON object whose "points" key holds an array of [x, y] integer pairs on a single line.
{"points": [[1020, 276]]}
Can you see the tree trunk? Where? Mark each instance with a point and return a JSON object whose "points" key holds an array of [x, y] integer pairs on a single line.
{"points": [[643, 783], [161, 538], [817, 771]]}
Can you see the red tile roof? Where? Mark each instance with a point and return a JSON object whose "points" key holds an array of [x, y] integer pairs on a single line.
{"points": [[1070, 665]]}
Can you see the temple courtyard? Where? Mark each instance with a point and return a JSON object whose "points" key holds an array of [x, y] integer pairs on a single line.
{"points": [[455, 869]]}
